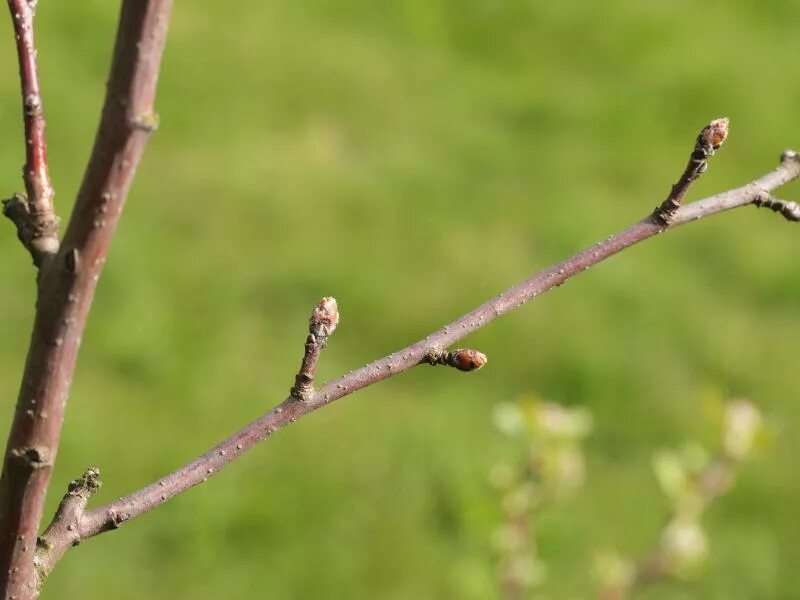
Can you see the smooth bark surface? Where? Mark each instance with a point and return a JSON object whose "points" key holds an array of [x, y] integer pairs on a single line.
{"points": [[290, 410], [66, 288]]}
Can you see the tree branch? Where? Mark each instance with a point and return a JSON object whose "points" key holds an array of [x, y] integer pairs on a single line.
{"points": [[66, 288], [64, 530], [323, 322], [708, 142], [34, 215], [789, 210], [198, 471]]}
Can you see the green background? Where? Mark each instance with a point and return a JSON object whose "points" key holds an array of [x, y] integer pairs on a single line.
{"points": [[414, 158]]}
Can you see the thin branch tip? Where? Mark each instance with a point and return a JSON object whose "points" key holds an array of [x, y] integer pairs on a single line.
{"points": [[87, 485], [788, 155], [708, 141], [715, 133], [463, 359], [324, 318], [321, 325]]}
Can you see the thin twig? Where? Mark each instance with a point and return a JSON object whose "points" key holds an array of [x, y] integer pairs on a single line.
{"points": [[64, 530], [789, 210], [33, 214], [66, 288], [708, 142], [323, 322], [198, 471]]}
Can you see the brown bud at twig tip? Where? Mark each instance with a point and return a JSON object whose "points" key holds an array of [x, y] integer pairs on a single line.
{"points": [[715, 133], [324, 318], [708, 142], [463, 359], [323, 322]]}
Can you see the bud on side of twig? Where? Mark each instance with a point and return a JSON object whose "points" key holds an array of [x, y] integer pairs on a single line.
{"points": [[463, 359], [466, 359]]}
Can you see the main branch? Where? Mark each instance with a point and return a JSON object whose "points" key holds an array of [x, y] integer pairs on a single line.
{"points": [[66, 287], [117, 513]]}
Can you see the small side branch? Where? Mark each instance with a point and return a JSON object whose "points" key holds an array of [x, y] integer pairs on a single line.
{"points": [[789, 210], [708, 142], [463, 359], [33, 214], [323, 322], [64, 531]]}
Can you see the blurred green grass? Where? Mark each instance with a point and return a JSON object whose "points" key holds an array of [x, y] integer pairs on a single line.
{"points": [[413, 159]]}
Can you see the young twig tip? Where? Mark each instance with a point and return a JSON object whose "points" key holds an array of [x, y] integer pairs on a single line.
{"points": [[715, 133], [711, 137], [325, 317], [323, 322], [86, 485]]}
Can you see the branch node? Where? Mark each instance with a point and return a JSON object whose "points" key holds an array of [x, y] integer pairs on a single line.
{"points": [[788, 155], [789, 210], [147, 122], [708, 142], [33, 105], [37, 232], [463, 359], [66, 521], [32, 458], [322, 323]]}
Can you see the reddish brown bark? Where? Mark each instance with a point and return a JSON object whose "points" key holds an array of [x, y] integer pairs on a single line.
{"points": [[67, 284], [198, 471], [68, 277], [33, 214]]}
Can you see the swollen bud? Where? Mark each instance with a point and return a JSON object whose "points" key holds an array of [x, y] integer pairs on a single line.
{"points": [[463, 359], [466, 359], [324, 318], [714, 134]]}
